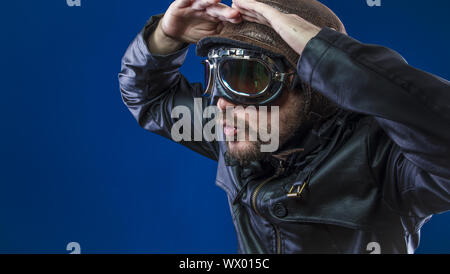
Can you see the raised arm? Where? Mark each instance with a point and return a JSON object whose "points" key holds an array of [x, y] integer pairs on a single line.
{"points": [[411, 106], [150, 82], [411, 156]]}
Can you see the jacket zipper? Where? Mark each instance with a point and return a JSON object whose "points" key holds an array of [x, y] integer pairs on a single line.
{"points": [[280, 169]]}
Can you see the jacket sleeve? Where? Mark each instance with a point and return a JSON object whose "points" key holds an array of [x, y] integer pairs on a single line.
{"points": [[152, 86], [410, 105]]}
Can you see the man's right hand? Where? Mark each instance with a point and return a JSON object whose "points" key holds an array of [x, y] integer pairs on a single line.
{"points": [[188, 21]]}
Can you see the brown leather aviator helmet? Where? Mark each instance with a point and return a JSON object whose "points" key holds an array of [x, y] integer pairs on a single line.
{"points": [[260, 37]]}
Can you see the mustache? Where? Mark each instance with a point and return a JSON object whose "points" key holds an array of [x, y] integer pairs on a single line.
{"points": [[241, 124], [235, 122]]}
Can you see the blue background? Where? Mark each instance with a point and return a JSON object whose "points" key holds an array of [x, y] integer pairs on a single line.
{"points": [[75, 166]]}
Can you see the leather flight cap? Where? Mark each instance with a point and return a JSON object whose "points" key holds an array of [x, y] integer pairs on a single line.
{"points": [[262, 38]]}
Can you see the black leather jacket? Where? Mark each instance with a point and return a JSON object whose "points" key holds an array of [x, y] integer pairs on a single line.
{"points": [[374, 173]]}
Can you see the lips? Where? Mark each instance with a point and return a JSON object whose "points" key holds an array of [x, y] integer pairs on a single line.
{"points": [[229, 131]]}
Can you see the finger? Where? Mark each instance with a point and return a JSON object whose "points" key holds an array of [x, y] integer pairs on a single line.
{"points": [[183, 3], [224, 12], [260, 11], [203, 4], [255, 7], [231, 20], [247, 13], [244, 4], [258, 20], [244, 11], [234, 20], [249, 18], [203, 14]]}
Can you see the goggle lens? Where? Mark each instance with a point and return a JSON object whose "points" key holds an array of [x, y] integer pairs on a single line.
{"points": [[245, 76]]}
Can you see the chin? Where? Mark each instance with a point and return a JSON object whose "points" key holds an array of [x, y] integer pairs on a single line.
{"points": [[240, 147], [244, 150]]}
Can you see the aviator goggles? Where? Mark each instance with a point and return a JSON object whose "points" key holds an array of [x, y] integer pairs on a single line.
{"points": [[244, 77]]}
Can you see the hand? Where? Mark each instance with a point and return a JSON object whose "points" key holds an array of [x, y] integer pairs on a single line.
{"points": [[294, 30], [190, 20]]}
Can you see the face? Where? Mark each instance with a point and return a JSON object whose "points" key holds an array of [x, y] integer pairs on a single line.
{"points": [[290, 105]]}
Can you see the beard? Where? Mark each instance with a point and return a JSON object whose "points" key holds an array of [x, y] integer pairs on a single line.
{"points": [[246, 151], [291, 117]]}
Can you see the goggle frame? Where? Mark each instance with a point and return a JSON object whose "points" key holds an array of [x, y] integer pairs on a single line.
{"points": [[219, 55]]}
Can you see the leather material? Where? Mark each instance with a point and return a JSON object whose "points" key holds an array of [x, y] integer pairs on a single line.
{"points": [[265, 38], [375, 171]]}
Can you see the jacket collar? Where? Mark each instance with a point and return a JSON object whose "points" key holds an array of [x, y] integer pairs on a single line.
{"points": [[304, 146]]}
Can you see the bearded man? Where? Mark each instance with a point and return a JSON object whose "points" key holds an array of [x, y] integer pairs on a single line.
{"points": [[364, 138]]}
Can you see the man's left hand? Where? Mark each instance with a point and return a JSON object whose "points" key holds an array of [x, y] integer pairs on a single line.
{"points": [[294, 30]]}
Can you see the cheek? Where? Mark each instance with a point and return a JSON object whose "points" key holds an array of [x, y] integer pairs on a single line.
{"points": [[289, 114], [249, 114]]}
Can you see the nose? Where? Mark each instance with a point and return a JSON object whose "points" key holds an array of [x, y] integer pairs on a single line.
{"points": [[222, 104]]}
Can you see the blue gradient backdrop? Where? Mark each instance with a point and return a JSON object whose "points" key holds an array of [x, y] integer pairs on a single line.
{"points": [[75, 166]]}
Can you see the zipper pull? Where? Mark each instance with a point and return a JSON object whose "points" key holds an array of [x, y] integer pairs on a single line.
{"points": [[299, 187], [298, 191]]}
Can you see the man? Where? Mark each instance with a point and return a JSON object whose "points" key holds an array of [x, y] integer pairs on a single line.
{"points": [[364, 138]]}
